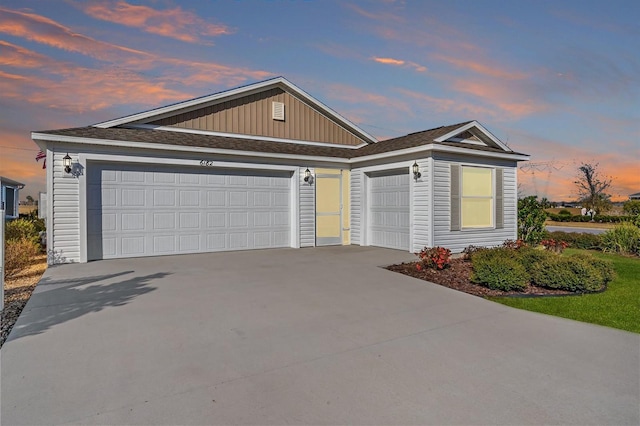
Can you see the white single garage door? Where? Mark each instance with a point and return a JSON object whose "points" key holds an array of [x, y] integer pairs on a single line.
{"points": [[389, 209], [135, 210]]}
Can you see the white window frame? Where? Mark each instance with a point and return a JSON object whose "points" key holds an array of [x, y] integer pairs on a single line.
{"points": [[492, 197]]}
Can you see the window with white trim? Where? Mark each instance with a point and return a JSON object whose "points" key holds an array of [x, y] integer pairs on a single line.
{"points": [[477, 197]]}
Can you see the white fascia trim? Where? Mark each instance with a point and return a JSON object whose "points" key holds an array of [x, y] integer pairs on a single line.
{"points": [[443, 148], [192, 149], [195, 149], [480, 127], [240, 91], [240, 136]]}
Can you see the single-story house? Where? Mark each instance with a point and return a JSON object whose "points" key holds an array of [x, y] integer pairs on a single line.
{"points": [[635, 196], [264, 166], [9, 196]]}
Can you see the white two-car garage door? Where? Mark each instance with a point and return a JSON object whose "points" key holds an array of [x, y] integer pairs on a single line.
{"points": [[389, 209], [149, 210]]}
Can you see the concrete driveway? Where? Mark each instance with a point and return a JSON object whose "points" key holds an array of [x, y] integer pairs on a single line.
{"points": [[309, 336]]}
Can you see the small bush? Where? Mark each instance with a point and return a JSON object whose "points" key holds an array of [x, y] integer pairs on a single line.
{"points": [[556, 246], [469, 251], [571, 273], [624, 239], [18, 255], [20, 229], [435, 257], [564, 212], [498, 270], [604, 267], [529, 257], [580, 240]]}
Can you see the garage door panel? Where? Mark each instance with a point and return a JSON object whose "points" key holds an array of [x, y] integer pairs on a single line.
{"points": [[174, 210], [389, 210]]}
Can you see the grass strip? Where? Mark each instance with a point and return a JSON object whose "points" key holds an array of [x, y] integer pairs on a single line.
{"points": [[618, 307]]}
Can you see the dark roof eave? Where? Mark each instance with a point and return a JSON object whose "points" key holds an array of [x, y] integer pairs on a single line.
{"points": [[399, 144]]}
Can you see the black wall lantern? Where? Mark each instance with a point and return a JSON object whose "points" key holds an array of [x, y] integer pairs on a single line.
{"points": [[66, 162], [416, 171], [307, 176]]}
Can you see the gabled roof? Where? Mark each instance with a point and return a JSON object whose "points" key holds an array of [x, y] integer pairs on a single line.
{"points": [[163, 139], [227, 95]]}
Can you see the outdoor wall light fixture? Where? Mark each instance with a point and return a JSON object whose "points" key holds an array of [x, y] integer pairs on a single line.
{"points": [[416, 171], [307, 176], [66, 162]]}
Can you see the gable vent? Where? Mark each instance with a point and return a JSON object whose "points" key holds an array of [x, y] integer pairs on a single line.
{"points": [[278, 110]]}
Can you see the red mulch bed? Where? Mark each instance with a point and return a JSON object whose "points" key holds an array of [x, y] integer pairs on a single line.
{"points": [[458, 277]]}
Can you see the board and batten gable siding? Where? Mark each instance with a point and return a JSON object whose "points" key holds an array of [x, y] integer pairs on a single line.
{"points": [[64, 247], [307, 211], [458, 240], [421, 207], [252, 115], [357, 182]]}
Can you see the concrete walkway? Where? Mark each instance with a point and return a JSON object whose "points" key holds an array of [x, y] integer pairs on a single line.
{"points": [[308, 336]]}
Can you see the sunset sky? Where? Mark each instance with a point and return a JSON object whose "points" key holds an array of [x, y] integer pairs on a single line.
{"points": [[559, 80]]}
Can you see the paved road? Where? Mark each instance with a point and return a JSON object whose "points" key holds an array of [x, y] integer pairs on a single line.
{"points": [[307, 336], [574, 229]]}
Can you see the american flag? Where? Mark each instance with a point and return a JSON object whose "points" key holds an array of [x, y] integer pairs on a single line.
{"points": [[40, 156]]}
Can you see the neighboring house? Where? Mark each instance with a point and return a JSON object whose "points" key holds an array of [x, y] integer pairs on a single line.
{"points": [[635, 196], [264, 166], [9, 196]]}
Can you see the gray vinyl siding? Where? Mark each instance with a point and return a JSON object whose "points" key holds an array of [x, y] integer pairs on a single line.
{"points": [[422, 207], [252, 115], [307, 212], [458, 240], [356, 206], [65, 198]]}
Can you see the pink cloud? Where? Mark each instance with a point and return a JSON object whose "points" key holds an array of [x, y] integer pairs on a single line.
{"points": [[43, 30], [173, 23], [358, 96], [399, 62], [482, 68]]}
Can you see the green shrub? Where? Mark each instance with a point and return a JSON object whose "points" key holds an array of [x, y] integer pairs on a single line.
{"points": [[581, 240], [604, 267], [18, 255], [624, 239], [529, 257], [631, 207], [564, 212], [587, 218], [531, 217], [571, 273], [21, 229], [498, 269]]}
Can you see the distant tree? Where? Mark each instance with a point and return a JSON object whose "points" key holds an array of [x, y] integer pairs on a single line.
{"points": [[591, 188], [545, 203], [30, 199], [632, 207], [531, 217]]}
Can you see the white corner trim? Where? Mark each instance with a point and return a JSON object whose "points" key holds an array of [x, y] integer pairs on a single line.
{"points": [[191, 104], [240, 136], [480, 127]]}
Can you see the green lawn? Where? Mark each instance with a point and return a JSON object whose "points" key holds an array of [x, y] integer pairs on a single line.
{"points": [[618, 306]]}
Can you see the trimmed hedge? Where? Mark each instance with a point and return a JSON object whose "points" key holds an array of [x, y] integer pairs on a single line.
{"points": [[497, 269], [572, 273], [580, 240], [598, 218]]}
